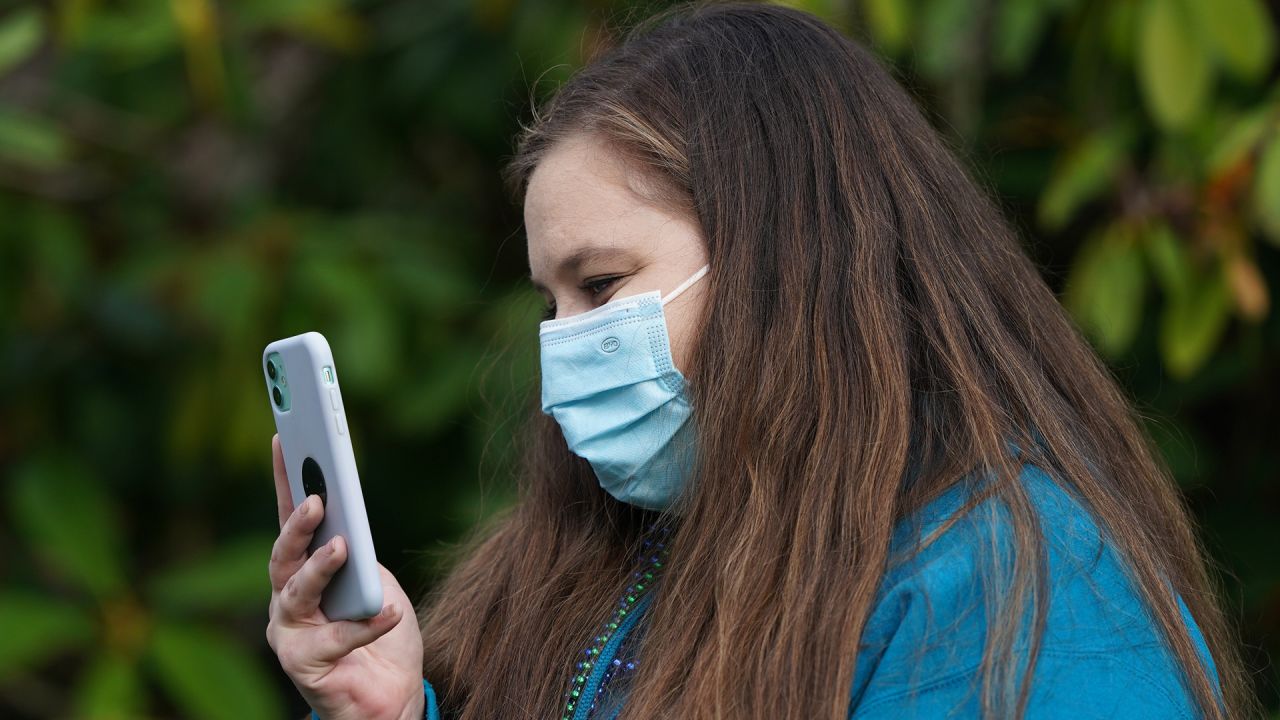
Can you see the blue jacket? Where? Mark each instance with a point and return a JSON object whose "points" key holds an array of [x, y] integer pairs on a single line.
{"points": [[1101, 655]]}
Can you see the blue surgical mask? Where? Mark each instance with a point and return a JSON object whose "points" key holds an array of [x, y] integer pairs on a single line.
{"points": [[609, 381]]}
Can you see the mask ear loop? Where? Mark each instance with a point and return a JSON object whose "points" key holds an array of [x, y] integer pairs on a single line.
{"points": [[685, 285]]}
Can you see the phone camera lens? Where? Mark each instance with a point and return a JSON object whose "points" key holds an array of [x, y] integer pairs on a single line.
{"points": [[271, 369], [277, 396]]}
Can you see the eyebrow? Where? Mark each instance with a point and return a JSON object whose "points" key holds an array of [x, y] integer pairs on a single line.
{"points": [[576, 259]]}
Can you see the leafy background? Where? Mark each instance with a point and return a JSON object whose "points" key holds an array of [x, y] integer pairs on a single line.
{"points": [[182, 181]]}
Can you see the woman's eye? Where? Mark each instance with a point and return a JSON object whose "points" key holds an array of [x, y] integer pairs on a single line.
{"points": [[595, 287], [598, 286]]}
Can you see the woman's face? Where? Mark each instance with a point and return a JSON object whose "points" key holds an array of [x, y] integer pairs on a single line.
{"points": [[593, 239]]}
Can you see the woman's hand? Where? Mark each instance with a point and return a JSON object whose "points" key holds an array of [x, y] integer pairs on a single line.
{"points": [[345, 669]]}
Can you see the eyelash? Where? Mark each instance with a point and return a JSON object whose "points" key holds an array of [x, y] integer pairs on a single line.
{"points": [[595, 287]]}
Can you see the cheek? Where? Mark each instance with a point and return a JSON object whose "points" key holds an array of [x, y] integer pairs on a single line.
{"points": [[683, 327], [681, 332]]}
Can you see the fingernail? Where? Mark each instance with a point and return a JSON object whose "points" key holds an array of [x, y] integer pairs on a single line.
{"points": [[332, 546], [306, 507]]}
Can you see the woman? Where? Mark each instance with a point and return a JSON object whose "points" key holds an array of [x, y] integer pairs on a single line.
{"points": [[815, 439]]}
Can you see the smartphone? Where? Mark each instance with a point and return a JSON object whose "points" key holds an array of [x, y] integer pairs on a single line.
{"points": [[306, 399]]}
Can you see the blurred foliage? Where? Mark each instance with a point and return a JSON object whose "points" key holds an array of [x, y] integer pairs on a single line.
{"points": [[182, 181]]}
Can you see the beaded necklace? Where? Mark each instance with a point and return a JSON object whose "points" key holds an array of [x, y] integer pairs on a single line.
{"points": [[650, 560]]}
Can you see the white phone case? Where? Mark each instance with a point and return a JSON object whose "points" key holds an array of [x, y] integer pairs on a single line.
{"points": [[313, 431]]}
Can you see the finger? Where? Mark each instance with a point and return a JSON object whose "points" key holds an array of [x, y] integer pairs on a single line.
{"points": [[337, 639], [284, 499], [290, 549], [301, 593]]}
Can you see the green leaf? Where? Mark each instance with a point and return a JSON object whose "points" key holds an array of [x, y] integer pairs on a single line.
{"points": [[233, 578], [1241, 136], [245, 406], [362, 331], [70, 521], [258, 15], [946, 26], [831, 11], [889, 23], [1241, 34], [1086, 170], [1105, 289], [1266, 190], [1169, 261], [229, 293], [1019, 26], [111, 689], [1192, 324], [130, 33], [30, 140], [200, 36], [1173, 67], [1119, 35], [36, 628], [334, 26], [211, 677], [440, 393], [191, 417], [20, 34]]}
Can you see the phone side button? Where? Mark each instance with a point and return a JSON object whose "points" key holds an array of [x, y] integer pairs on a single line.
{"points": [[342, 426], [333, 398]]}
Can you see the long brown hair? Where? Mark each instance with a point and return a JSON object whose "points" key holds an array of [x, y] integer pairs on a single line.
{"points": [[872, 333]]}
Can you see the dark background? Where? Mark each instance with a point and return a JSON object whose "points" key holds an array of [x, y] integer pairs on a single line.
{"points": [[183, 181]]}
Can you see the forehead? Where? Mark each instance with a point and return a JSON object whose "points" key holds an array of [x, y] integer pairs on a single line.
{"points": [[581, 193]]}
